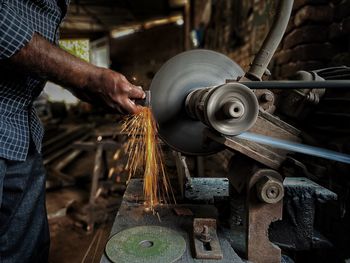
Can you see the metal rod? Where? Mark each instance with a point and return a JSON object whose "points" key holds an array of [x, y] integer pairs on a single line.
{"points": [[329, 84], [271, 42]]}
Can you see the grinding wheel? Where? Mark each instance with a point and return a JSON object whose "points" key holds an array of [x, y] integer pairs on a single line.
{"points": [[173, 82], [146, 244]]}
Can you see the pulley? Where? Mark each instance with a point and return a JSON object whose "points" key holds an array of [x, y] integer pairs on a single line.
{"points": [[229, 109]]}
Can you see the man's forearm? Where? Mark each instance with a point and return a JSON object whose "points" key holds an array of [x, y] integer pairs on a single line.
{"points": [[44, 59], [88, 82]]}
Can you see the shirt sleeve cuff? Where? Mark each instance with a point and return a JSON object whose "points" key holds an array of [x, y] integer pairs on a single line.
{"points": [[15, 32]]}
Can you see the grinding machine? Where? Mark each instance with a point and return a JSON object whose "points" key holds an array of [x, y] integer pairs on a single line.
{"points": [[205, 103]]}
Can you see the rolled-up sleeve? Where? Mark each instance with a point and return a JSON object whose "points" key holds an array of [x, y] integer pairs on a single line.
{"points": [[15, 32]]}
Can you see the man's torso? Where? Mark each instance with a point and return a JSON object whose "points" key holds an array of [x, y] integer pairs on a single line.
{"points": [[18, 120]]}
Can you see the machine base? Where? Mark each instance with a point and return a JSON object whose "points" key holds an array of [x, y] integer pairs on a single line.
{"points": [[132, 213]]}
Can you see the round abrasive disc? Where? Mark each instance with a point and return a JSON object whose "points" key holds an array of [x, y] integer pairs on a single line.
{"points": [[146, 244], [180, 75]]}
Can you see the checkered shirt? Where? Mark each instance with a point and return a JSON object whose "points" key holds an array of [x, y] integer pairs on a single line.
{"points": [[19, 20]]}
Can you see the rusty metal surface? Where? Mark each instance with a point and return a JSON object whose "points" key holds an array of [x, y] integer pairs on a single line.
{"points": [[239, 167], [198, 188], [299, 229], [268, 125], [263, 154], [206, 242], [206, 189], [259, 249], [183, 211]]}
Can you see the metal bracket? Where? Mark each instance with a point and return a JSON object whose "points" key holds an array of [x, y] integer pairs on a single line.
{"points": [[260, 215], [201, 188], [206, 242]]}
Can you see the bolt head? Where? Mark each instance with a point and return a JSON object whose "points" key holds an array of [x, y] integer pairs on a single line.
{"points": [[267, 97], [269, 190]]}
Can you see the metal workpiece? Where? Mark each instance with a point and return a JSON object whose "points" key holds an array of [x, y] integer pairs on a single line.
{"points": [[148, 98], [229, 109], [269, 189], [178, 77], [146, 102], [271, 42]]}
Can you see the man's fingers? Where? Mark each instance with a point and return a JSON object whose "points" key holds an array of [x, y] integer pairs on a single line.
{"points": [[130, 106], [136, 92]]}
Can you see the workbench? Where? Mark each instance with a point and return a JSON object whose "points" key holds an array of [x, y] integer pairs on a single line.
{"points": [[133, 213]]}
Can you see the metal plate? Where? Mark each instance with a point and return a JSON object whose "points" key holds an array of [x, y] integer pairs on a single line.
{"points": [[146, 244], [173, 82], [206, 189]]}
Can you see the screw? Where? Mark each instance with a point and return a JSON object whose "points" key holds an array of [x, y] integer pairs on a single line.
{"points": [[205, 236]]}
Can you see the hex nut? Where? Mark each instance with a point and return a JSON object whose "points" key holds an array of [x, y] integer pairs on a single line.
{"points": [[267, 97]]}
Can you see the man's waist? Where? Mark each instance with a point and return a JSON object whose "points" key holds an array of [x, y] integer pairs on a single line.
{"points": [[17, 131]]}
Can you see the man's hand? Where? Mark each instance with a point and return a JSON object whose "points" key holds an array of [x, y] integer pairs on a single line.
{"points": [[116, 91], [88, 82]]}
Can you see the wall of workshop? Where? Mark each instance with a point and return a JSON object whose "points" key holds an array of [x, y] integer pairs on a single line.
{"points": [[237, 28], [318, 34], [139, 56]]}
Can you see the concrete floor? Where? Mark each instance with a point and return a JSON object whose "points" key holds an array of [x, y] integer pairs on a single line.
{"points": [[69, 241]]}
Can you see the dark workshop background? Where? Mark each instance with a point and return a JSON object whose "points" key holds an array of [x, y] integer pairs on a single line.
{"points": [[318, 36]]}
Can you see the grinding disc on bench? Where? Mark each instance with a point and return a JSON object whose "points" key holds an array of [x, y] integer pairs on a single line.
{"points": [[146, 244]]}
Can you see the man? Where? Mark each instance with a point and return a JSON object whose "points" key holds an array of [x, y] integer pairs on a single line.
{"points": [[29, 57]]}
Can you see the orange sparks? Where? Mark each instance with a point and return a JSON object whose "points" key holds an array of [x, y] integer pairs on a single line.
{"points": [[145, 153]]}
